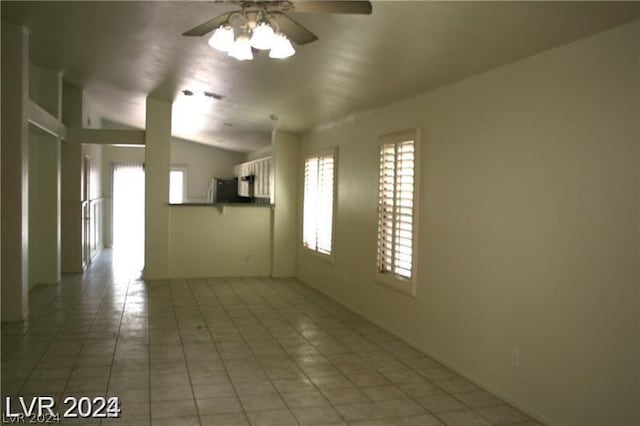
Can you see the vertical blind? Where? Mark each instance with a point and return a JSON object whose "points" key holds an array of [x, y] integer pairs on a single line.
{"points": [[318, 203], [128, 215], [395, 209]]}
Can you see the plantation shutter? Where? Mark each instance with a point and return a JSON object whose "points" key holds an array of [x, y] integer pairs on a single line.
{"points": [[395, 209], [318, 203]]}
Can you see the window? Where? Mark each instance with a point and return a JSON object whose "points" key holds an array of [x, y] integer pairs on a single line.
{"points": [[128, 215], [396, 212], [177, 185], [317, 220]]}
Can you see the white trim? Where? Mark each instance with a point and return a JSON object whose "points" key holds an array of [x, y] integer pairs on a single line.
{"points": [[41, 118], [329, 258]]}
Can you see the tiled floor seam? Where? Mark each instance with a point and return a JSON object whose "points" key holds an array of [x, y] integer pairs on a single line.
{"points": [[51, 342], [277, 334], [219, 355]]}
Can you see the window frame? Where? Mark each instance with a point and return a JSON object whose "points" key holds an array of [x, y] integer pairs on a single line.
{"points": [[183, 169], [333, 151], [404, 285]]}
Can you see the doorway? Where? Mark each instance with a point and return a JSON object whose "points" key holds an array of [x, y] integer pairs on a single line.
{"points": [[128, 216], [86, 212]]}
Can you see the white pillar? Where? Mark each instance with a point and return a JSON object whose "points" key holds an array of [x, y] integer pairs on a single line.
{"points": [[71, 209], [285, 168], [71, 184], [157, 166], [15, 172]]}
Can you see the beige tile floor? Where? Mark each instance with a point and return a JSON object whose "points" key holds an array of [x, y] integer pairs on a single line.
{"points": [[228, 352]]}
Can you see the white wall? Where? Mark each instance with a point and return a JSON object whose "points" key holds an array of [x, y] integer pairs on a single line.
{"points": [[528, 228], [94, 152], [285, 177], [157, 159], [44, 208], [43, 88], [205, 242], [260, 153], [203, 162], [90, 114]]}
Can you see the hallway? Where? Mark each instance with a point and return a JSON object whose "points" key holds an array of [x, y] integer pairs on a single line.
{"points": [[227, 351]]}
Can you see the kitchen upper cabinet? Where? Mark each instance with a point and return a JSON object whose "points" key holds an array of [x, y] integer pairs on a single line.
{"points": [[254, 178]]}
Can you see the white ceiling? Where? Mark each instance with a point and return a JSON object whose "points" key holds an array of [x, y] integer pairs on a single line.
{"points": [[121, 52]]}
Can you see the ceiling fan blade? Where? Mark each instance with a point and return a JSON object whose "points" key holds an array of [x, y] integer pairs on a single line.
{"points": [[296, 32], [208, 26], [360, 7]]}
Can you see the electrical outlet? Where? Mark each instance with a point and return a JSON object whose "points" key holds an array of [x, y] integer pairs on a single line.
{"points": [[515, 357]]}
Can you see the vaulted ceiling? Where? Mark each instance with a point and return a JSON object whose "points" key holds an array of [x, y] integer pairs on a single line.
{"points": [[121, 52]]}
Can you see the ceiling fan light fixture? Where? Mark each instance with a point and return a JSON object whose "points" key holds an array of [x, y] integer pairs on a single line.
{"points": [[241, 49], [262, 37], [222, 38], [282, 47]]}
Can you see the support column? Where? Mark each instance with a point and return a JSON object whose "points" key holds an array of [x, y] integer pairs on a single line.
{"points": [[71, 184], [157, 166], [285, 168], [71, 214], [15, 173]]}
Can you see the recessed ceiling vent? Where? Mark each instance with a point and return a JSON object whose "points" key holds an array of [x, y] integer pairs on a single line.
{"points": [[214, 96]]}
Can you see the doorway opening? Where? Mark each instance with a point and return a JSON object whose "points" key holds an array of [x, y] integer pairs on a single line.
{"points": [[86, 212], [128, 217]]}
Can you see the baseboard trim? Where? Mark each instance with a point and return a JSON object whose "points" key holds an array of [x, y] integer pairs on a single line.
{"points": [[465, 374]]}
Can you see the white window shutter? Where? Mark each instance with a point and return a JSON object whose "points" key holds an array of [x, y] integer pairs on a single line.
{"points": [[395, 209], [318, 204]]}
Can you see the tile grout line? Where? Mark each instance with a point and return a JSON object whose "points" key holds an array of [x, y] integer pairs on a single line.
{"points": [[285, 330], [184, 354], [115, 350], [37, 319], [54, 338], [412, 369], [147, 284], [306, 376], [93, 320], [48, 345], [322, 354], [244, 340], [288, 355], [351, 352], [226, 371]]}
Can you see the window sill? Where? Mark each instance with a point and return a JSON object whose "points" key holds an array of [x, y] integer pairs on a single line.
{"points": [[328, 258], [402, 285]]}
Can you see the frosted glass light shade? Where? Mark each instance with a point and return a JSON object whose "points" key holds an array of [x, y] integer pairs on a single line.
{"points": [[241, 49], [282, 47], [222, 38], [262, 37]]}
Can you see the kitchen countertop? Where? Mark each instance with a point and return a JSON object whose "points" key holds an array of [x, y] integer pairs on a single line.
{"points": [[220, 205]]}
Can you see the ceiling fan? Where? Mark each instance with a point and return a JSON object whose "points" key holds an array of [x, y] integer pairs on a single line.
{"points": [[265, 25]]}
